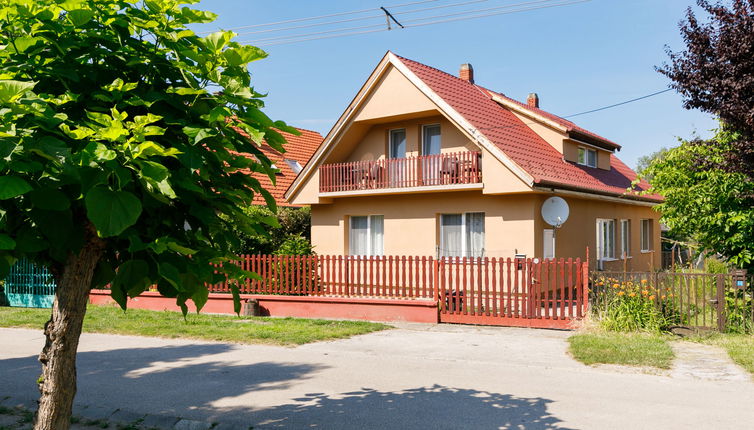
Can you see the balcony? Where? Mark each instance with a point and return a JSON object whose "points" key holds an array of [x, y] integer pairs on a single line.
{"points": [[458, 168]]}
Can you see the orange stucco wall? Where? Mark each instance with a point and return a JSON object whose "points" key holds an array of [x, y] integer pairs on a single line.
{"points": [[373, 145], [580, 231], [513, 224], [411, 221]]}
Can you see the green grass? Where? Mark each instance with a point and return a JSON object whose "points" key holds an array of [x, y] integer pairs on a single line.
{"points": [[629, 349], [223, 328], [740, 347]]}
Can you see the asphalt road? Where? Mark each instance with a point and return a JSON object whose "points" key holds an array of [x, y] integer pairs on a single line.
{"points": [[417, 377]]}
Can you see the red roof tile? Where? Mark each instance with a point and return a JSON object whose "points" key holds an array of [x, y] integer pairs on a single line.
{"points": [[521, 144], [299, 148]]}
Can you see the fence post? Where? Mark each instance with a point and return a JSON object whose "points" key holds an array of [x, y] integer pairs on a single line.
{"points": [[721, 317], [585, 288]]}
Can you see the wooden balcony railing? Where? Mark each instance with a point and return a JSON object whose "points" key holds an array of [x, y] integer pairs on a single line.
{"points": [[429, 170]]}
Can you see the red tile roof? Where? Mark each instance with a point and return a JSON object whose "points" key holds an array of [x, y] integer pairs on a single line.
{"points": [[521, 144], [299, 148]]}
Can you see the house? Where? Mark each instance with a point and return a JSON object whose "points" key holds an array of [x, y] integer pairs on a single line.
{"points": [[423, 162], [299, 150]]}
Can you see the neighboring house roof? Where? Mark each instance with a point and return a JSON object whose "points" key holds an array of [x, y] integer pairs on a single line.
{"points": [[487, 116], [520, 143], [299, 149]]}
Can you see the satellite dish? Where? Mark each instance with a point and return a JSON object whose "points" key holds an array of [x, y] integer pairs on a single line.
{"points": [[555, 211]]}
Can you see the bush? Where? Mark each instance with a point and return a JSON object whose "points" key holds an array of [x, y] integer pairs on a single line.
{"points": [[634, 306], [293, 224], [295, 245]]}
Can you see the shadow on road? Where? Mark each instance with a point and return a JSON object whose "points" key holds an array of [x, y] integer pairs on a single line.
{"points": [[435, 407], [164, 380], [188, 380]]}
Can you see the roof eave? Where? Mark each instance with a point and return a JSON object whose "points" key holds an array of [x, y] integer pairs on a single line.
{"points": [[545, 185]]}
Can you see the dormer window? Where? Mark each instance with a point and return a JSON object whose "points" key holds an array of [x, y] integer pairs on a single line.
{"points": [[587, 157]]}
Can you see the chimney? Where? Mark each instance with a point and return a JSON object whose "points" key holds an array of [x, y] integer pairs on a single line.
{"points": [[466, 73], [533, 100]]}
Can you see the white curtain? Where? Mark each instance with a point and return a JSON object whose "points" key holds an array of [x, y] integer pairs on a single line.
{"points": [[359, 235], [431, 140], [376, 233], [475, 234], [451, 235]]}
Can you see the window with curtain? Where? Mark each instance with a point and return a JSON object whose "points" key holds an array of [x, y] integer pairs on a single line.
{"points": [[366, 235], [646, 235], [398, 143], [431, 139], [462, 235], [625, 238], [605, 239], [587, 157]]}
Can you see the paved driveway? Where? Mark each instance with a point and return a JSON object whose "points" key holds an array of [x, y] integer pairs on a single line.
{"points": [[417, 376]]}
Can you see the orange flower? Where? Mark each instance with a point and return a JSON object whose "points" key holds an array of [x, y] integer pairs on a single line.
{"points": [[644, 292], [620, 293], [616, 285], [632, 295], [663, 297], [651, 297], [643, 281]]}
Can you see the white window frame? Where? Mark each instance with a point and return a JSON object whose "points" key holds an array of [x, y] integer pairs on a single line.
{"points": [[369, 235], [646, 227], [390, 142], [424, 135], [625, 238], [583, 156], [464, 225], [601, 222]]}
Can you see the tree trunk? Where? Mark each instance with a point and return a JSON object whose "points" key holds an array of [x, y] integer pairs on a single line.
{"points": [[58, 381]]}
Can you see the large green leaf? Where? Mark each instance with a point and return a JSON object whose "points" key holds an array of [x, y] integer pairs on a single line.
{"points": [[6, 243], [132, 277], [49, 199], [11, 90], [111, 212], [12, 186], [80, 17]]}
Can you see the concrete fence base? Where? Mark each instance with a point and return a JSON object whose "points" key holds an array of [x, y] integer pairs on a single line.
{"points": [[385, 310]]}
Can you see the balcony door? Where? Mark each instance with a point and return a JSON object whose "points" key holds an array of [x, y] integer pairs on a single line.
{"points": [[397, 162], [431, 163]]}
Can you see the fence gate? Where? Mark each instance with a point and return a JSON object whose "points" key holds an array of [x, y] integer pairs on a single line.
{"points": [[29, 286], [512, 292]]}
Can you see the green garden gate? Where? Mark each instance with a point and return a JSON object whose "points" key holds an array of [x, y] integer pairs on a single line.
{"points": [[29, 286]]}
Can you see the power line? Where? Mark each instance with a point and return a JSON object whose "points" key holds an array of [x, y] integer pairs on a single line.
{"points": [[585, 112], [361, 18], [490, 9], [619, 104], [303, 37], [288, 21]]}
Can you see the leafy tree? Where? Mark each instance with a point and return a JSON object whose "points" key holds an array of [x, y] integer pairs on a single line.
{"points": [[117, 163], [711, 206], [293, 224], [716, 74], [645, 160]]}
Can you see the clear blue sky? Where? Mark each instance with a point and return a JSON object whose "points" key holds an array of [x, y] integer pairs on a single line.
{"points": [[576, 57]]}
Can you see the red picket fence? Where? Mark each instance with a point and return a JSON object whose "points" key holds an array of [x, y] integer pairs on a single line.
{"points": [[463, 167], [407, 277], [500, 291]]}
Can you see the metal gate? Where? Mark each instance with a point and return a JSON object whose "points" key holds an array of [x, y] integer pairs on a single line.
{"points": [[29, 286], [701, 301], [512, 292]]}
